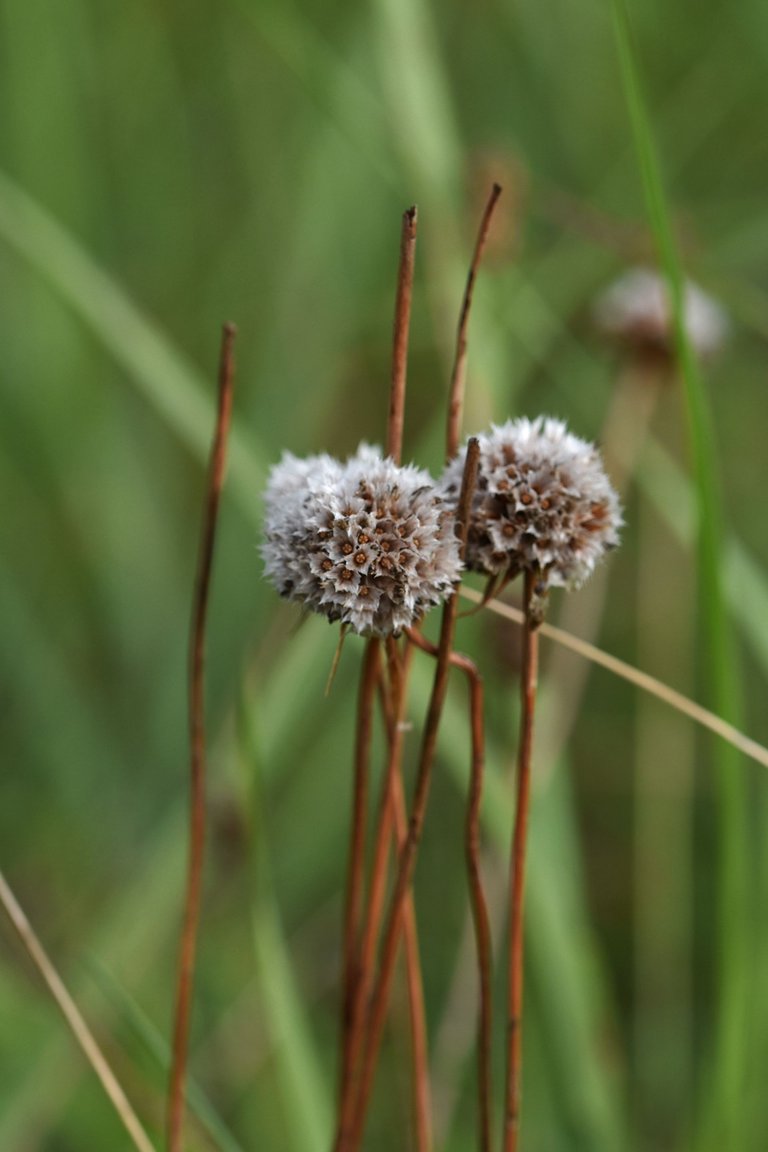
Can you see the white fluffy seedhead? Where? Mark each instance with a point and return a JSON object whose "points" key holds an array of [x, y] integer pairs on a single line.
{"points": [[367, 543], [543, 504], [635, 309]]}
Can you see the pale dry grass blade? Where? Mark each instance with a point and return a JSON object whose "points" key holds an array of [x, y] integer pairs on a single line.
{"points": [[74, 1019], [642, 680]]}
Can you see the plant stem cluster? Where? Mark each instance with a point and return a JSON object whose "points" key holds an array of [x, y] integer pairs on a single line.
{"points": [[374, 545]]}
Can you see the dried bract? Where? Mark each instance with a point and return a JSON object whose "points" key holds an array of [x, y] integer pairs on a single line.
{"points": [[366, 543]]}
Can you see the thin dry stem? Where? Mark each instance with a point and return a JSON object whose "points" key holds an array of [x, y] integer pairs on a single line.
{"points": [[456, 1033], [350, 1140], [641, 680], [75, 1021], [420, 1082], [459, 374], [400, 341], [396, 808], [357, 992], [186, 964], [336, 659], [478, 901], [528, 678], [480, 909], [391, 812], [394, 706], [356, 867]]}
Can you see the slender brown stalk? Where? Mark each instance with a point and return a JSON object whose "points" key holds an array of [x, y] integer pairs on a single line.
{"points": [[71, 1014], [400, 342], [478, 902], [458, 376], [393, 817], [397, 810], [348, 1140], [480, 909], [356, 991], [186, 964], [420, 1083], [356, 867], [528, 682], [393, 703]]}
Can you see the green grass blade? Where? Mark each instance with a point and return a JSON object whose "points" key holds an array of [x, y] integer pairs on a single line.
{"points": [[745, 582], [723, 1119], [155, 1046], [174, 388], [330, 82], [307, 1107]]}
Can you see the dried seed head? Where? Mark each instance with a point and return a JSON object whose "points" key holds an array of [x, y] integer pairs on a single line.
{"points": [[543, 504], [635, 309], [367, 543]]}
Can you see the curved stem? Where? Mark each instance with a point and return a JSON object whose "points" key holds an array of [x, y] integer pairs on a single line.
{"points": [[480, 911], [459, 373], [422, 1094], [393, 705], [356, 866], [517, 876], [478, 901], [186, 965]]}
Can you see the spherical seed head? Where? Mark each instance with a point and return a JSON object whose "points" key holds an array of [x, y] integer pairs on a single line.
{"points": [[367, 543], [635, 309], [542, 504]]}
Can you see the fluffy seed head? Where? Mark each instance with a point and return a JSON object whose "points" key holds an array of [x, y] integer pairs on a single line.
{"points": [[542, 504], [367, 543], [635, 309]]}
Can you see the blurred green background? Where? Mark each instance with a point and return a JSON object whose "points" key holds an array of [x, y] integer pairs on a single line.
{"points": [[164, 168]]}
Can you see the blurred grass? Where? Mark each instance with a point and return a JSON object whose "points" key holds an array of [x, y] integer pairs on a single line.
{"points": [[163, 170], [723, 1119]]}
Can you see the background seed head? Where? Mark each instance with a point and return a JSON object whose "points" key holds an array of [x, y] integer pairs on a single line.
{"points": [[635, 310], [366, 543], [542, 504]]}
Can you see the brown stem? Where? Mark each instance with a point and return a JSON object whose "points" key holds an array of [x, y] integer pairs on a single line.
{"points": [[356, 992], [74, 1019], [480, 910], [356, 867], [400, 341], [393, 705], [458, 376], [476, 891], [528, 682], [396, 808], [391, 810], [186, 964], [422, 1094], [348, 1140]]}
